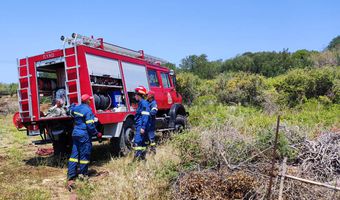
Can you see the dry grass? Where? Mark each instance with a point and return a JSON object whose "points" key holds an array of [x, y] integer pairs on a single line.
{"points": [[19, 179], [8, 104], [139, 180], [23, 175]]}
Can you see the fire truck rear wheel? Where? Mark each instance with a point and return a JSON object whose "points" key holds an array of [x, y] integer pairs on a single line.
{"points": [[123, 145], [180, 123], [63, 145]]}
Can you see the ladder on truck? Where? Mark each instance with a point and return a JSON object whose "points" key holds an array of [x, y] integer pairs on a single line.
{"points": [[72, 85], [78, 39], [24, 92]]}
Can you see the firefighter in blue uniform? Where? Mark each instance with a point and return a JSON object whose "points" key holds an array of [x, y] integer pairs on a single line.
{"points": [[141, 123], [84, 129], [152, 120]]}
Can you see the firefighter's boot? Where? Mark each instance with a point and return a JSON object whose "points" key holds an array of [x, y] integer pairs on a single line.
{"points": [[153, 147], [70, 185]]}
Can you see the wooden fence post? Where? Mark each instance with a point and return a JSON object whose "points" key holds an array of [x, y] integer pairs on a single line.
{"points": [[273, 159], [283, 173]]}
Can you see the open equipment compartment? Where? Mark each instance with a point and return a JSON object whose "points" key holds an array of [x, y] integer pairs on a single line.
{"points": [[51, 83], [106, 83]]}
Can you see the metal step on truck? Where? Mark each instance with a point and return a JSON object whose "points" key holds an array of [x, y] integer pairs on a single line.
{"points": [[105, 71]]}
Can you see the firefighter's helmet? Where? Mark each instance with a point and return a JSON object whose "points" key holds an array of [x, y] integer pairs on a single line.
{"points": [[86, 97], [151, 94], [141, 90]]}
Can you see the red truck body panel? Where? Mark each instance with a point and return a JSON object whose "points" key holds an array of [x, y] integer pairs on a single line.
{"points": [[29, 98]]}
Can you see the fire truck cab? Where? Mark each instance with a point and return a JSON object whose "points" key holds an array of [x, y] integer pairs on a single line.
{"points": [[105, 71]]}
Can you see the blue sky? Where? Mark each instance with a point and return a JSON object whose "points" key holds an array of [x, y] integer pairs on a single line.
{"points": [[168, 29]]}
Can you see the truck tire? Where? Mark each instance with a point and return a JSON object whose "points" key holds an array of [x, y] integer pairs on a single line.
{"points": [[63, 145], [123, 145], [180, 123]]}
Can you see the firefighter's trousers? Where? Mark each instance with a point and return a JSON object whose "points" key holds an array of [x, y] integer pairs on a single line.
{"points": [[151, 135], [81, 152], [140, 143]]}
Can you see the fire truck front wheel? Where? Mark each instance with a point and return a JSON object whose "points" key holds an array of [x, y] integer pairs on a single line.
{"points": [[123, 145], [180, 123]]}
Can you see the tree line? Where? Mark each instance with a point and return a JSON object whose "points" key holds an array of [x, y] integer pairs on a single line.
{"points": [[269, 80], [8, 89], [268, 64]]}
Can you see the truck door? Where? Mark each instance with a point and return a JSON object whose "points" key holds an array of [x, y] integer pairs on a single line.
{"points": [[155, 86], [168, 88]]}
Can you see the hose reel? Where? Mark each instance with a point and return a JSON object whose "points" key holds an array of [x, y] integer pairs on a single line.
{"points": [[102, 101]]}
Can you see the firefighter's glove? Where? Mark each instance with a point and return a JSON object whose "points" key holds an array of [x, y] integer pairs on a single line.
{"points": [[100, 137], [142, 131]]}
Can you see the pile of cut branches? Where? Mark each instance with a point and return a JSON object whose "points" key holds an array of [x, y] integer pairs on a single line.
{"points": [[241, 170], [216, 185], [320, 159]]}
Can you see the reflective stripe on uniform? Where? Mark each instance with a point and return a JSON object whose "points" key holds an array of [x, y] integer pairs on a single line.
{"points": [[84, 162], [153, 144], [154, 108], [77, 113], [73, 160], [91, 121], [139, 148], [145, 113]]}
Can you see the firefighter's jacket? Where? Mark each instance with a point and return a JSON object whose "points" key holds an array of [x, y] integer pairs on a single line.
{"points": [[153, 111], [142, 114], [84, 124]]}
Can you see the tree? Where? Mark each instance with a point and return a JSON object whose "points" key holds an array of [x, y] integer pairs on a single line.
{"points": [[302, 58], [268, 63], [8, 89], [171, 66], [334, 44], [201, 66], [12, 88]]}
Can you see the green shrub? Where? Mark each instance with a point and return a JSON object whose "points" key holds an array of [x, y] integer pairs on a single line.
{"points": [[267, 138], [189, 146], [336, 90], [243, 88], [207, 115], [237, 150], [207, 87], [313, 114], [205, 100], [169, 171], [187, 86], [325, 100], [301, 84]]}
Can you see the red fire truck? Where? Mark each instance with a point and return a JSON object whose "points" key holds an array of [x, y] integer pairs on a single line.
{"points": [[105, 71]]}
